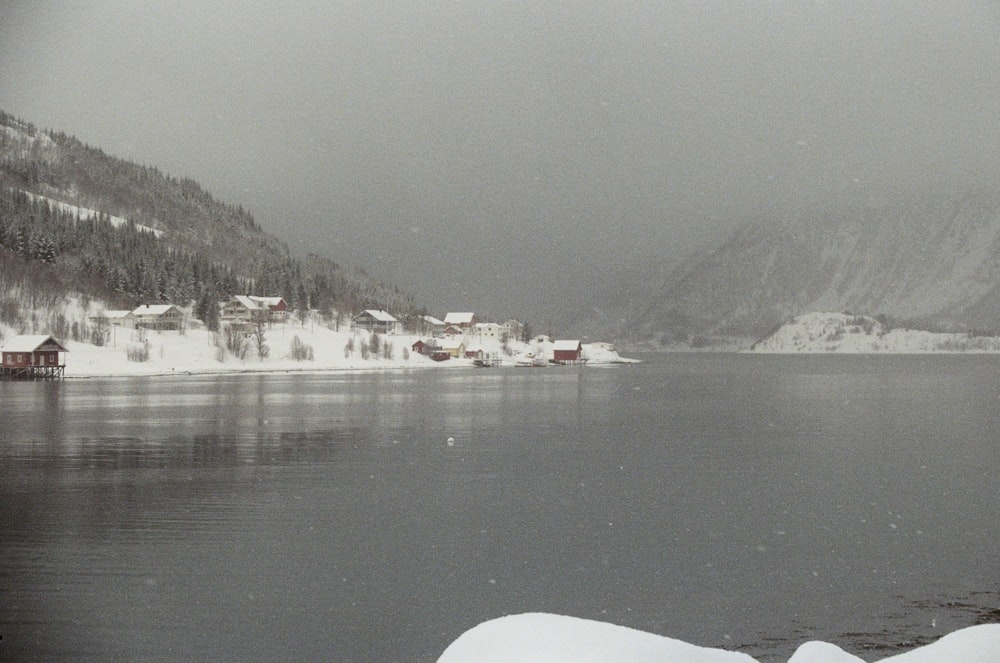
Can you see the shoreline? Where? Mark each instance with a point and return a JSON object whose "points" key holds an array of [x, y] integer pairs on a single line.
{"points": [[196, 352]]}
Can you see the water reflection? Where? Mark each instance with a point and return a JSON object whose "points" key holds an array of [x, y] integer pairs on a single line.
{"points": [[720, 500]]}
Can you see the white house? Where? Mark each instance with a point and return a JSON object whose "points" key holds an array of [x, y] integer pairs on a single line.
{"points": [[158, 317], [377, 321], [489, 330]]}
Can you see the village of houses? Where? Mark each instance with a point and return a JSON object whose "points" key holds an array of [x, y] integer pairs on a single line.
{"points": [[165, 339]]}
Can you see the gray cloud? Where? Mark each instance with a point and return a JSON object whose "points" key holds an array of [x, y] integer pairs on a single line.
{"points": [[488, 155]]}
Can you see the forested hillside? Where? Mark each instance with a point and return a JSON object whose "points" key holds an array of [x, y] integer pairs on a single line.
{"points": [[74, 220]]}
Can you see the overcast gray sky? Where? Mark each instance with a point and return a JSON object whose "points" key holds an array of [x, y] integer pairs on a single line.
{"points": [[490, 155]]}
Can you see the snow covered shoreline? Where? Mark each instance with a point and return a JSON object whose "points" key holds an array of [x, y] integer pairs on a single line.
{"points": [[857, 334], [198, 352]]}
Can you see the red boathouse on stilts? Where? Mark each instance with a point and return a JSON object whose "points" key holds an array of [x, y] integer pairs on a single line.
{"points": [[32, 358]]}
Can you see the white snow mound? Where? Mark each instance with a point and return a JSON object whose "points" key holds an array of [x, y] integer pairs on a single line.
{"points": [[548, 638]]}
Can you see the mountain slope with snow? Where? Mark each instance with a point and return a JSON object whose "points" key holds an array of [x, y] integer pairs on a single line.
{"points": [[77, 221], [932, 259], [846, 333]]}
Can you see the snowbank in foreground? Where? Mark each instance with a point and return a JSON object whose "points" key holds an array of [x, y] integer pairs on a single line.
{"points": [[841, 332], [197, 351], [546, 638]]}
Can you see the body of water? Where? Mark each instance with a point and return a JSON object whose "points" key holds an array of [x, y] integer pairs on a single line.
{"points": [[739, 501]]}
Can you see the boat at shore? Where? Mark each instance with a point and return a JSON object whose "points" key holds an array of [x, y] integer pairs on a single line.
{"points": [[531, 360]]}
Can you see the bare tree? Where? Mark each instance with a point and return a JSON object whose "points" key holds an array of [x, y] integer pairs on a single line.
{"points": [[236, 342], [260, 342]]}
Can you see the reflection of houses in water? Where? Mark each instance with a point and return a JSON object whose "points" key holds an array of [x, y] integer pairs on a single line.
{"points": [[34, 357]]}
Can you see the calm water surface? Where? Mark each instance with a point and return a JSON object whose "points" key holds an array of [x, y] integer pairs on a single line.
{"points": [[737, 501]]}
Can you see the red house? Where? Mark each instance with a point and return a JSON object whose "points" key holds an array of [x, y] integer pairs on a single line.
{"points": [[31, 358], [424, 348], [464, 320], [565, 352]]}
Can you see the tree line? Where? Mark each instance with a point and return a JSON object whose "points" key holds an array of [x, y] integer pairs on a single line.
{"points": [[208, 251]]}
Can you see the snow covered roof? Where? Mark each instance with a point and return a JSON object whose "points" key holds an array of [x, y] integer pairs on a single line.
{"points": [[379, 316], [31, 343], [566, 345], [113, 314], [249, 303], [451, 344], [431, 320], [266, 301], [153, 309], [464, 318]]}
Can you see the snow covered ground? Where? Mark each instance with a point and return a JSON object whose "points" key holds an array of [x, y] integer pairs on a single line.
{"points": [[844, 333], [86, 213], [547, 638], [199, 351]]}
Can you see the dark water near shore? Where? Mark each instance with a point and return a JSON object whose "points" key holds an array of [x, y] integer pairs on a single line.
{"points": [[746, 502]]}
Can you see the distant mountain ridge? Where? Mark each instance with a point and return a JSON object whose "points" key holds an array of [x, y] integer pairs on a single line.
{"points": [[929, 259], [933, 261]]}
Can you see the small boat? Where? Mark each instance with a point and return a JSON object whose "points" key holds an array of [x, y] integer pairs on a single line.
{"points": [[531, 359]]}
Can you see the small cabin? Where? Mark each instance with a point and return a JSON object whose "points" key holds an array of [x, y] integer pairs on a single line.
{"points": [[567, 352], [32, 357], [423, 347], [452, 347]]}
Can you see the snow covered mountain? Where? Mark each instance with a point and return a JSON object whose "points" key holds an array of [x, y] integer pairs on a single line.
{"points": [[933, 261]]}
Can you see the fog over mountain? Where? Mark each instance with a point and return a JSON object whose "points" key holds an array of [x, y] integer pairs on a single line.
{"points": [[521, 158], [933, 263]]}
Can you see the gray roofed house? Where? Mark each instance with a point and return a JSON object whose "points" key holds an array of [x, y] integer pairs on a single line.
{"points": [[378, 321]]}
